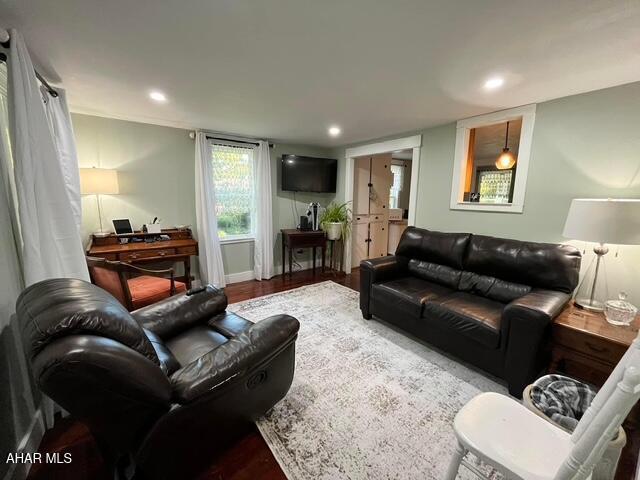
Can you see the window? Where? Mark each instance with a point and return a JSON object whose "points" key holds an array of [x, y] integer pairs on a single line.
{"points": [[233, 180], [394, 194], [492, 161]]}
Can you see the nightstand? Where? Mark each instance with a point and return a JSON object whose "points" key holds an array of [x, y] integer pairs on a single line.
{"points": [[585, 346]]}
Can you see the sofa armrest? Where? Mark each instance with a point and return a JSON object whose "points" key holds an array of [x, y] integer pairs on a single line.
{"points": [[179, 312], [234, 359], [376, 270], [526, 323]]}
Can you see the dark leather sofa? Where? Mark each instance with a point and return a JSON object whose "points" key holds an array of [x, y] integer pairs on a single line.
{"points": [[489, 301], [166, 385]]}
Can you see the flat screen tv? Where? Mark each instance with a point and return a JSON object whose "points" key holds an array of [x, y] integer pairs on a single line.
{"points": [[308, 174]]}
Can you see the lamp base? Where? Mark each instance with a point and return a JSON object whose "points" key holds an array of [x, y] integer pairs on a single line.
{"points": [[101, 234], [593, 306]]}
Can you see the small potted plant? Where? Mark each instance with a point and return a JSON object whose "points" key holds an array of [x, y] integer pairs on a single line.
{"points": [[336, 221]]}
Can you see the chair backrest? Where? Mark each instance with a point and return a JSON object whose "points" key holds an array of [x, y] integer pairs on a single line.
{"points": [[90, 356], [604, 416], [110, 276]]}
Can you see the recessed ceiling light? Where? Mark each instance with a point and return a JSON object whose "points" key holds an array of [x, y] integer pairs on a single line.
{"points": [[493, 83], [334, 131], [157, 96]]}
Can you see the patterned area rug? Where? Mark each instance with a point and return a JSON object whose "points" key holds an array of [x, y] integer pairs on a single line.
{"points": [[366, 401]]}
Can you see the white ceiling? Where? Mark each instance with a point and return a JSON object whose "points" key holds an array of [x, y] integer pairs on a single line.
{"points": [[287, 69]]}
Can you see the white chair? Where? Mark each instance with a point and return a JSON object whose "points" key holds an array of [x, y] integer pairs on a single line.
{"points": [[521, 445]]}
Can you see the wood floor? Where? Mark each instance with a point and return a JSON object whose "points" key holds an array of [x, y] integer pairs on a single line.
{"points": [[249, 458]]}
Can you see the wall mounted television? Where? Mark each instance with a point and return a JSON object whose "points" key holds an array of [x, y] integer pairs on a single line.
{"points": [[309, 174]]}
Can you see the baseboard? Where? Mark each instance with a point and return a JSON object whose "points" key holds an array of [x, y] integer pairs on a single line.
{"points": [[29, 444], [239, 277], [277, 270]]}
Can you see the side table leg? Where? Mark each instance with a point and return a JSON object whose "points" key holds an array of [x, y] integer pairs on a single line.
{"points": [[283, 256], [324, 254], [313, 261]]}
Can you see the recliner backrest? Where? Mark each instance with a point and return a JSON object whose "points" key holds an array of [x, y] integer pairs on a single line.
{"points": [[91, 357], [63, 306]]}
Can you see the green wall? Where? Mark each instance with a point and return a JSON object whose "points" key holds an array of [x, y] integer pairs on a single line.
{"points": [[156, 174], [585, 145]]}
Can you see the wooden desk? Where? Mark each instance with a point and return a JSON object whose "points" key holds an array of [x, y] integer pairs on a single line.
{"points": [[586, 346], [180, 248], [293, 238]]}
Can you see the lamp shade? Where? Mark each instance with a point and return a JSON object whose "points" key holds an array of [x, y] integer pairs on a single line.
{"points": [[602, 220], [99, 181]]}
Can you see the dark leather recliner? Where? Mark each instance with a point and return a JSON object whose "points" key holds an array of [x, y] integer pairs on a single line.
{"points": [[489, 301], [166, 385]]}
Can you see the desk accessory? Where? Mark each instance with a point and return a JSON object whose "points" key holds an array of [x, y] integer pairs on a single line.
{"points": [[603, 221], [620, 312], [304, 223], [122, 226], [99, 181]]}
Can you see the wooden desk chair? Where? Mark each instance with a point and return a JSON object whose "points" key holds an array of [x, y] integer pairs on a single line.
{"points": [[147, 287], [521, 445]]}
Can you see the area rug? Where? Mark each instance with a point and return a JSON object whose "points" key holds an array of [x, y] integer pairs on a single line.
{"points": [[366, 400]]}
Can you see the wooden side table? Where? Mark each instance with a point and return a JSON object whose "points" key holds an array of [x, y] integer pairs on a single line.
{"points": [[586, 346], [293, 238]]}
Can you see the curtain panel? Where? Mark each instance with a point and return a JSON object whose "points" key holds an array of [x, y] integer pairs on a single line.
{"points": [[210, 252], [65, 142], [51, 244], [263, 246]]}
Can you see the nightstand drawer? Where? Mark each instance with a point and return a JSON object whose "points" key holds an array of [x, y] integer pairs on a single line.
{"points": [[132, 256], [589, 345]]}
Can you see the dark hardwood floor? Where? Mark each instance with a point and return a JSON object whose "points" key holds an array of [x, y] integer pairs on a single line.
{"points": [[250, 457]]}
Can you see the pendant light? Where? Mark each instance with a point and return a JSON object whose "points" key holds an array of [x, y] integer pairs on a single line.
{"points": [[506, 160]]}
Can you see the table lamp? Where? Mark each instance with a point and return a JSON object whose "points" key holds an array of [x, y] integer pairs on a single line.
{"points": [[99, 181], [603, 221]]}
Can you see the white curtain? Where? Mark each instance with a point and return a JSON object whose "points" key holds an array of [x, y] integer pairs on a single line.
{"points": [[65, 142], [51, 241], [210, 253], [263, 246]]}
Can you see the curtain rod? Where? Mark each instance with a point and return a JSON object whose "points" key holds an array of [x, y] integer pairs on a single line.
{"points": [[235, 141], [50, 89]]}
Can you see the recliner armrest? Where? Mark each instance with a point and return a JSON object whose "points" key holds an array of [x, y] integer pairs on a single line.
{"points": [[525, 324], [233, 359], [179, 312]]}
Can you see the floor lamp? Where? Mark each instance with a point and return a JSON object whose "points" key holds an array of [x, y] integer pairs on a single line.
{"points": [[99, 181], [603, 221]]}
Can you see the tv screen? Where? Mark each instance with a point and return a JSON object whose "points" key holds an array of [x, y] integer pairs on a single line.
{"points": [[308, 174]]}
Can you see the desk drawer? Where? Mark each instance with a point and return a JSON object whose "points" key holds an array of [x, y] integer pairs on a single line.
{"points": [[193, 250], [133, 256], [591, 346]]}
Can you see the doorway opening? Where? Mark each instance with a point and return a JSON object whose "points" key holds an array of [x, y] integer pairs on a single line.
{"points": [[381, 182]]}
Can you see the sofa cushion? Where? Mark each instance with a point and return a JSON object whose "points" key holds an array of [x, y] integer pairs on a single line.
{"points": [[542, 265], [435, 247], [491, 287], [194, 343], [471, 315], [408, 294], [433, 272]]}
